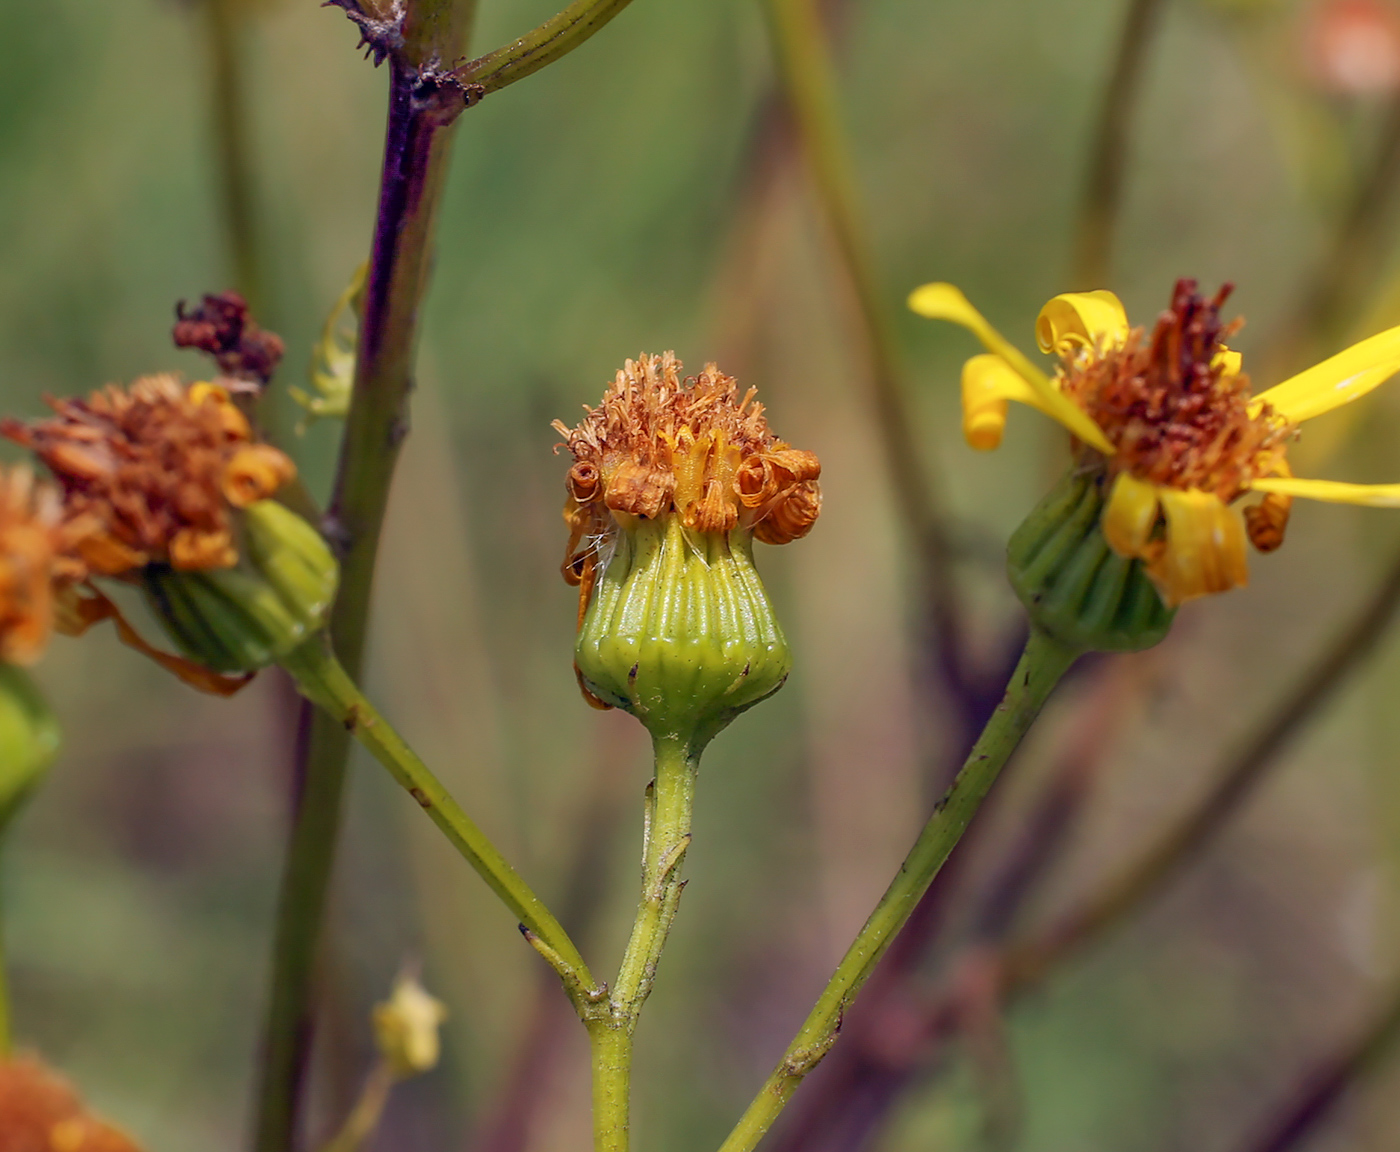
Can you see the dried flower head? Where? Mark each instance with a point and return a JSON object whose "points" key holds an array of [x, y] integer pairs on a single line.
{"points": [[149, 473], [658, 445], [223, 328], [41, 1112], [1167, 423], [34, 558]]}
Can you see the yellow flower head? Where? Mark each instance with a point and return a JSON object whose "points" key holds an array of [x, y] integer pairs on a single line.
{"points": [[1168, 417]]}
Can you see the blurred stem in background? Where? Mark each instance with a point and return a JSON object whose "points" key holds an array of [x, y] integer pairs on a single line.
{"points": [[1328, 1082], [226, 26], [809, 85], [422, 108], [1102, 198], [1042, 665]]}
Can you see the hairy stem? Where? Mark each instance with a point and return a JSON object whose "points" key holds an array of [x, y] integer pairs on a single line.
{"points": [[669, 804], [1043, 663], [809, 83], [1108, 156]]}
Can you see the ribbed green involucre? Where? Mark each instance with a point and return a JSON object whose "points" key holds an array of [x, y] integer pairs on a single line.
{"points": [[1074, 586], [680, 631], [241, 619]]}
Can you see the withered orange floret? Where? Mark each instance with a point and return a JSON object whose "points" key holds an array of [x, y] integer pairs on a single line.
{"points": [[659, 444], [33, 559], [149, 473], [41, 1112]]}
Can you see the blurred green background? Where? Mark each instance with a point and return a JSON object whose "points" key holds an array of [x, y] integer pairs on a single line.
{"points": [[616, 203]]}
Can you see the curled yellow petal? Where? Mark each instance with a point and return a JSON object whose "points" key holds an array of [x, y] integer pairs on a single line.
{"points": [[1130, 515], [1081, 320], [1205, 547], [988, 382], [1228, 361], [1333, 491], [945, 302], [1338, 380]]}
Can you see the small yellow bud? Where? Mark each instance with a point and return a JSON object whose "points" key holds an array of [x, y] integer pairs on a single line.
{"points": [[406, 1028]]}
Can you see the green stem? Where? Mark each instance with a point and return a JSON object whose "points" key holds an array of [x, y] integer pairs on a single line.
{"points": [[225, 22], [322, 679], [416, 151], [1042, 664], [364, 1117], [556, 37], [669, 804]]}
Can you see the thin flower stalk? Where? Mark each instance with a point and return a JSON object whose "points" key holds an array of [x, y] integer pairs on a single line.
{"points": [[1043, 663]]}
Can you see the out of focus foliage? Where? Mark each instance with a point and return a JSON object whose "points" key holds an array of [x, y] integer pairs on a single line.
{"points": [[638, 196]]}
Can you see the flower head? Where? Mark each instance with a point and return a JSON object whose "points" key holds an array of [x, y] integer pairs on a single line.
{"points": [[406, 1028], [39, 1110], [150, 474], [1167, 419], [671, 480], [34, 559]]}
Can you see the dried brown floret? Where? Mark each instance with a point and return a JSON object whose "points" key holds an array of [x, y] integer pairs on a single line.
{"points": [[658, 444], [149, 473], [223, 328], [1170, 404], [41, 1112]]}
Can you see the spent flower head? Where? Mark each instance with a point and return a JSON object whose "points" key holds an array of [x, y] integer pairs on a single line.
{"points": [[41, 1112], [671, 480], [1166, 423]]}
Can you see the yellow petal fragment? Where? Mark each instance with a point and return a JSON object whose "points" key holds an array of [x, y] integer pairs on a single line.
{"points": [[1205, 550], [988, 382], [1228, 361], [1338, 380], [945, 302], [1333, 491], [1130, 515], [1081, 320]]}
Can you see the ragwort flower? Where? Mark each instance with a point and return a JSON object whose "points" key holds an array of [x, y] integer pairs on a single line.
{"points": [[671, 482], [1165, 420], [41, 1112], [164, 485]]}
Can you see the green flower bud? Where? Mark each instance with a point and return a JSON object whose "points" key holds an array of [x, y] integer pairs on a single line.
{"points": [[679, 630], [240, 619], [1074, 586], [29, 739]]}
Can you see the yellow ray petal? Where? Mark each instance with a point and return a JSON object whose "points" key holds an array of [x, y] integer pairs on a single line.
{"points": [[1205, 550], [1081, 320], [1130, 515], [1338, 380], [988, 382], [1333, 491], [945, 302], [1229, 361]]}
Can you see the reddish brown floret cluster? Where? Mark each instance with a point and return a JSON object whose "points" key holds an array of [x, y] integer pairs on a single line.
{"points": [[1169, 405], [34, 559], [149, 474], [223, 328], [658, 445], [40, 1112]]}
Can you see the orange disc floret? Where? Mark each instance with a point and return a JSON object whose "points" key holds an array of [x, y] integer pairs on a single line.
{"points": [[149, 473], [41, 1112], [659, 444]]}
